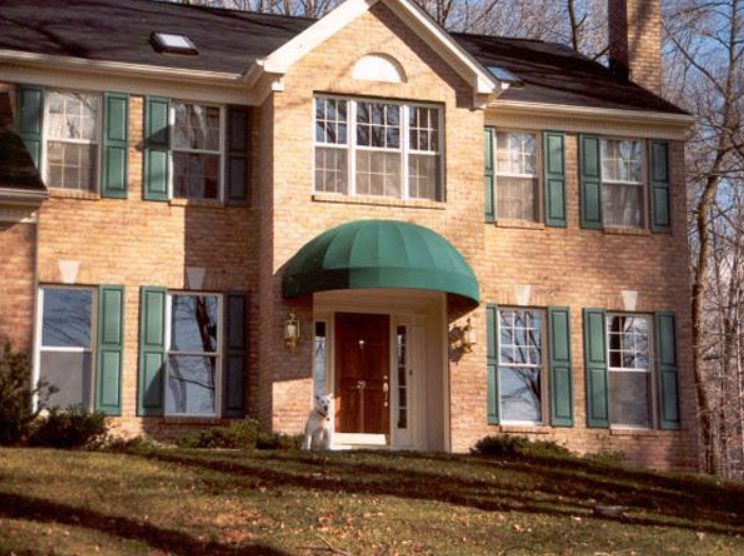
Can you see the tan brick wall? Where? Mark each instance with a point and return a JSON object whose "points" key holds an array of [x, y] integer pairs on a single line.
{"points": [[17, 263], [134, 243], [635, 39]]}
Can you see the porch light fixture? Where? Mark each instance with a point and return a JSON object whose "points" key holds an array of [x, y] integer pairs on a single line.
{"points": [[468, 339], [291, 331]]}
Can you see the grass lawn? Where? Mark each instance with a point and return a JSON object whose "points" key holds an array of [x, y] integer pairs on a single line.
{"points": [[210, 502]]}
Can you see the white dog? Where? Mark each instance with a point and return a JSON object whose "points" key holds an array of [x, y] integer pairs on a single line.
{"points": [[318, 426]]}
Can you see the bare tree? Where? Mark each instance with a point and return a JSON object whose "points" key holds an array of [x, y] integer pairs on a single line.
{"points": [[705, 42]]}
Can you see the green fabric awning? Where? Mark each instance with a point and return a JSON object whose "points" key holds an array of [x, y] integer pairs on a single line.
{"points": [[379, 254]]}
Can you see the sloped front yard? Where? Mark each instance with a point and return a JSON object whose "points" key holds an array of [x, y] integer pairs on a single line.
{"points": [[199, 502]]}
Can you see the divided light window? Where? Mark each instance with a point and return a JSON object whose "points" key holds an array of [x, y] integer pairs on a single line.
{"points": [[197, 150], [66, 346], [192, 385], [630, 387], [623, 183], [390, 149], [517, 182], [72, 123], [521, 372]]}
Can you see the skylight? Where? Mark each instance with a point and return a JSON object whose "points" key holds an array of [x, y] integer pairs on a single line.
{"points": [[173, 44], [505, 76]]}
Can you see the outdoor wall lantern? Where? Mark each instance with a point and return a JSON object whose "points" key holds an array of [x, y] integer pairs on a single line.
{"points": [[291, 331], [468, 339]]}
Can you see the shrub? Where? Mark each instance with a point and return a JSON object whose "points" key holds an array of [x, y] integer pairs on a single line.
{"points": [[16, 395], [606, 458], [518, 446], [73, 427], [121, 444], [278, 441], [240, 434]]}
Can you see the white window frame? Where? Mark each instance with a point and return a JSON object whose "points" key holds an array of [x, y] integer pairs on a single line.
{"points": [[351, 145], [45, 138], [40, 348], [651, 371], [643, 184], [317, 391], [218, 354], [538, 169], [543, 366], [172, 140]]}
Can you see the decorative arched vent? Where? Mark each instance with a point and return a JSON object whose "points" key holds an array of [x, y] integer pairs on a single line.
{"points": [[379, 67]]}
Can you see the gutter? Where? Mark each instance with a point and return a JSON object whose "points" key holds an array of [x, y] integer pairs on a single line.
{"points": [[592, 113], [10, 196], [122, 68]]}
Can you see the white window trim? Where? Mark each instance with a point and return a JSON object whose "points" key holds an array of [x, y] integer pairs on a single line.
{"points": [[543, 373], [645, 192], [651, 371], [45, 138], [39, 348], [351, 144], [326, 359], [221, 176], [219, 354], [537, 176], [394, 394]]}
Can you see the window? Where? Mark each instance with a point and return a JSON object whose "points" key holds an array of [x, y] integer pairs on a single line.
{"points": [[331, 151], [386, 149], [517, 181], [520, 363], [197, 151], [71, 142], [622, 180], [629, 378], [320, 355], [192, 386], [66, 346], [401, 366]]}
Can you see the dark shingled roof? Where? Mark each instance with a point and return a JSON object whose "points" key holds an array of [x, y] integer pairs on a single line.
{"points": [[229, 40], [17, 170]]}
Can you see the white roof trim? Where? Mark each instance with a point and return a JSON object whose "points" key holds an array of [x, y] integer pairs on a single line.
{"points": [[279, 61], [591, 112]]}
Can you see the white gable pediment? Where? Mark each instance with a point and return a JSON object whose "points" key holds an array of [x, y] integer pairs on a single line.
{"points": [[379, 67]]}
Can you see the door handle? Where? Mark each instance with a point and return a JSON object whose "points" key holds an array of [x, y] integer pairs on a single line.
{"points": [[385, 389]]}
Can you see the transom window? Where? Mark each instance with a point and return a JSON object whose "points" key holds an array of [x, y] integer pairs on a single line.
{"points": [[197, 150], [517, 179], [520, 334], [192, 386], [630, 385], [378, 148], [623, 183], [66, 346], [72, 139]]}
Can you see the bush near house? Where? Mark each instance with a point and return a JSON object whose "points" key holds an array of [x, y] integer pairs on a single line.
{"points": [[16, 395], [241, 435], [74, 427], [518, 446]]}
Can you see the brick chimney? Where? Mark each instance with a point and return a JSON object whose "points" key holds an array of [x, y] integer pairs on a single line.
{"points": [[635, 41]]}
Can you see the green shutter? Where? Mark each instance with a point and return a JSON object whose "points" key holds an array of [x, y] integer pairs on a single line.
{"points": [[595, 365], [591, 181], [152, 356], [238, 134], [115, 145], [492, 364], [660, 199], [561, 390], [157, 149], [110, 349], [236, 354], [490, 137], [666, 358], [555, 179], [30, 119]]}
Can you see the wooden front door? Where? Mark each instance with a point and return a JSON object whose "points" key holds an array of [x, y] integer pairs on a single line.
{"points": [[362, 373]]}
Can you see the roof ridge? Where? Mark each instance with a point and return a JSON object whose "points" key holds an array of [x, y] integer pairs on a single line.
{"points": [[231, 10]]}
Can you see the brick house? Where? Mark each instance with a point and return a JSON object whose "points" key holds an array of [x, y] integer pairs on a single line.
{"points": [[455, 235]]}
